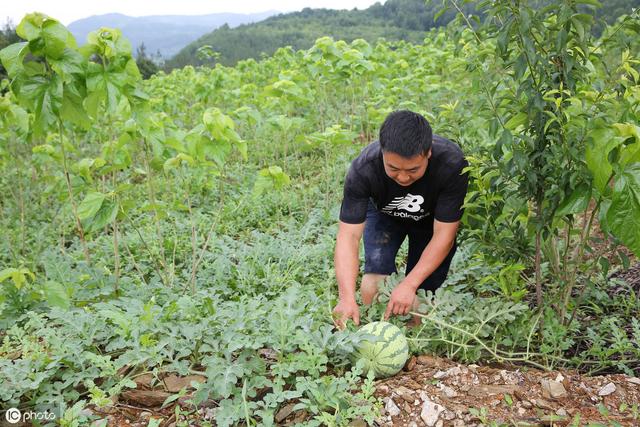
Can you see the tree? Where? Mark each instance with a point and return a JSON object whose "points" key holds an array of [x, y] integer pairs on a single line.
{"points": [[145, 64]]}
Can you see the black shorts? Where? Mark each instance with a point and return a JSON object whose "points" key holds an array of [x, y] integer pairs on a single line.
{"points": [[383, 237]]}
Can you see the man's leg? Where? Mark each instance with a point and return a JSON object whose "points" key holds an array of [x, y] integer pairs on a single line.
{"points": [[369, 286], [382, 239], [418, 241]]}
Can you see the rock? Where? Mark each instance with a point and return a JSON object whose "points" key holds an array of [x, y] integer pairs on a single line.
{"points": [[561, 412], [458, 423], [391, 408], [428, 360], [488, 390], [148, 398], [144, 381], [411, 364], [607, 389], [284, 412], [357, 423], [542, 404], [174, 383], [406, 394], [634, 380], [406, 407], [440, 375], [448, 415], [431, 412], [552, 389], [448, 391], [440, 423], [383, 389], [145, 414], [527, 404], [560, 378], [522, 411], [412, 424], [451, 372]]}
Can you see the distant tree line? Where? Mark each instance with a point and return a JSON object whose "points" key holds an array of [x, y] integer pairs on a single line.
{"points": [[7, 36], [393, 20]]}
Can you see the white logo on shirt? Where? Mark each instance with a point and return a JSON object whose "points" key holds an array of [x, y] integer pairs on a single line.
{"points": [[409, 203]]}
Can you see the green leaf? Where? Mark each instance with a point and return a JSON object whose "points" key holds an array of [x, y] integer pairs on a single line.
{"points": [[623, 216], [576, 202], [55, 37], [17, 275], [30, 26], [90, 205], [516, 121], [601, 142], [105, 216], [12, 57], [629, 153], [56, 295]]}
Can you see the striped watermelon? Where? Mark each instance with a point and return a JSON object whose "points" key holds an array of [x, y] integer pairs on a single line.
{"points": [[387, 354]]}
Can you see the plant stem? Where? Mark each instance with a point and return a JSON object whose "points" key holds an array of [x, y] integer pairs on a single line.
{"points": [[71, 198]]}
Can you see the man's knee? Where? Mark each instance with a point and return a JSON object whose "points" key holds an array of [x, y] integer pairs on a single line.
{"points": [[369, 286]]}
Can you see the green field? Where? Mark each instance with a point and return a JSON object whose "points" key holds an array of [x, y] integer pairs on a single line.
{"points": [[186, 224]]}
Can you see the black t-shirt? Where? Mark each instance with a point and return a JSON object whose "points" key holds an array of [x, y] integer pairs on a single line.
{"points": [[438, 194]]}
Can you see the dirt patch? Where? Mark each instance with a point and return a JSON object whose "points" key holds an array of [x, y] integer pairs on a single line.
{"points": [[439, 392]]}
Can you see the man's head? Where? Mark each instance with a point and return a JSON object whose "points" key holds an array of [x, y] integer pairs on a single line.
{"points": [[405, 139]]}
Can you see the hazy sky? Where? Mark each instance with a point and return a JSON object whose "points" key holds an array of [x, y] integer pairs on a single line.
{"points": [[67, 11]]}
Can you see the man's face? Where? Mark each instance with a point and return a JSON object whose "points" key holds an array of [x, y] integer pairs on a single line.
{"points": [[405, 171]]}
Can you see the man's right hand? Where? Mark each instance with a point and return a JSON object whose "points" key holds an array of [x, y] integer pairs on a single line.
{"points": [[346, 310]]}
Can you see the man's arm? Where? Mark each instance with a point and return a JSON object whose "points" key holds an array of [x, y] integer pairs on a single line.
{"points": [[444, 234], [346, 261]]}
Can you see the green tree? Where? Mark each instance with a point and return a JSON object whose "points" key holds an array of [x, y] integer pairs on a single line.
{"points": [[145, 64]]}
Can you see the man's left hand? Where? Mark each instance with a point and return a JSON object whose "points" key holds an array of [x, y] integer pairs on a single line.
{"points": [[401, 300]]}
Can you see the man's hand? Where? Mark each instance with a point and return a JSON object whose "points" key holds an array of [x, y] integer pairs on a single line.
{"points": [[401, 300], [346, 310]]}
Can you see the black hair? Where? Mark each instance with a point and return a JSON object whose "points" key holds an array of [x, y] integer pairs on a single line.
{"points": [[406, 133]]}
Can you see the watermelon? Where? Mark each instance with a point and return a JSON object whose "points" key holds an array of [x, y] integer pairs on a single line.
{"points": [[387, 353]]}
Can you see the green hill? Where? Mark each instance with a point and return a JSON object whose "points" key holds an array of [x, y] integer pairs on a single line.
{"points": [[393, 20]]}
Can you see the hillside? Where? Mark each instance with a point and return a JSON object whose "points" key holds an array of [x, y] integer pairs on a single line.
{"points": [[165, 33], [393, 20]]}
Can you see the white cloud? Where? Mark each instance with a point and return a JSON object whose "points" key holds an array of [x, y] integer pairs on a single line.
{"points": [[67, 11]]}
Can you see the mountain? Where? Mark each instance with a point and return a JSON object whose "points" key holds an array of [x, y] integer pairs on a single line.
{"points": [[164, 33], [394, 20]]}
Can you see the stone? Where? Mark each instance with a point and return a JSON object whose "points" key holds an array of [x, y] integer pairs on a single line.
{"points": [[391, 408], [413, 424], [357, 423], [174, 383], [406, 394], [406, 407], [431, 412], [448, 415], [522, 411], [284, 412], [440, 375], [607, 389], [458, 423], [440, 423], [561, 412], [448, 391], [542, 404], [411, 364], [634, 380], [552, 389], [527, 404]]}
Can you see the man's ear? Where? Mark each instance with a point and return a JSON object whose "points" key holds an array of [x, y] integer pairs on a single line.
{"points": [[429, 154]]}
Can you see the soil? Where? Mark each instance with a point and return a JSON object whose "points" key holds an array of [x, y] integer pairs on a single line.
{"points": [[433, 391]]}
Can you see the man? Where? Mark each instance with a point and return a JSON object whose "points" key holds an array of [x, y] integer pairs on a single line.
{"points": [[409, 183]]}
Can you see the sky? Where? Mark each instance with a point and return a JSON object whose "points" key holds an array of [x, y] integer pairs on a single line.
{"points": [[67, 11]]}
